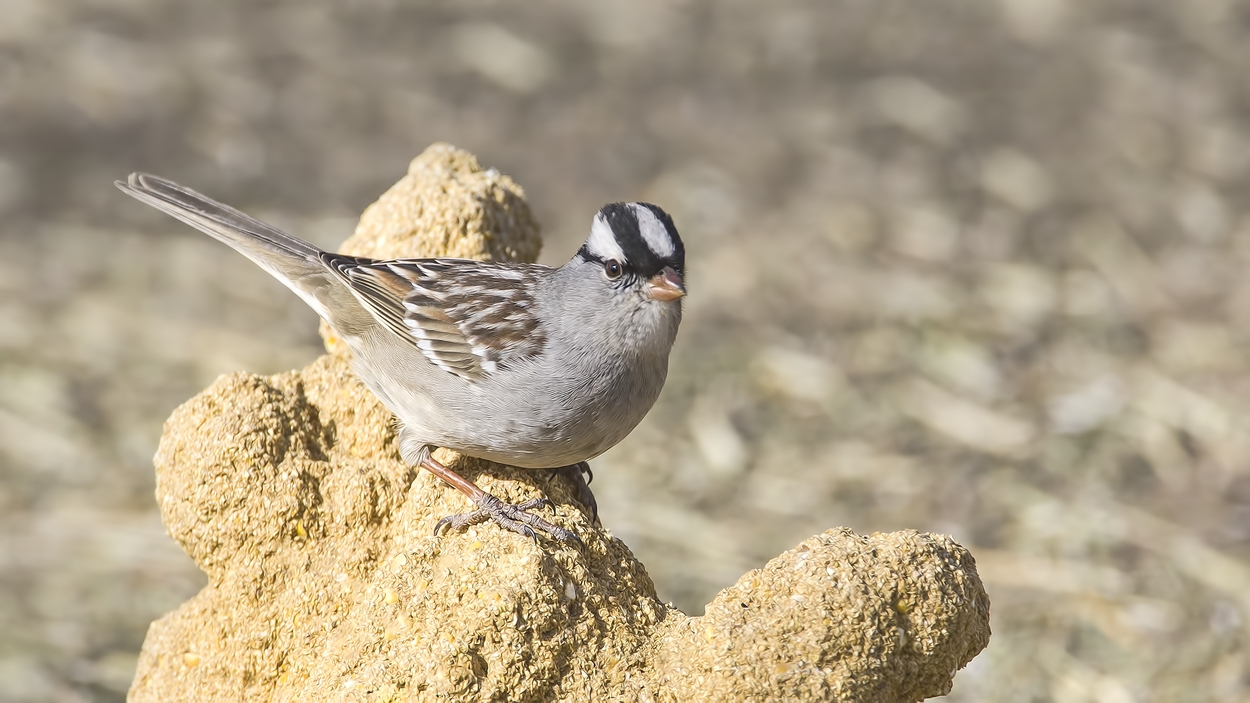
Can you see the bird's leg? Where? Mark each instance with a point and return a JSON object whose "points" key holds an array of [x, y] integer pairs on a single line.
{"points": [[581, 476], [512, 517]]}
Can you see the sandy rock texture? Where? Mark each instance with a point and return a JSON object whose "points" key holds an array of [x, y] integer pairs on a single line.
{"points": [[446, 205], [325, 581]]}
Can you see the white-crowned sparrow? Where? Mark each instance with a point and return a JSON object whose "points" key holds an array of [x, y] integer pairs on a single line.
{"points": [[521, 364]]}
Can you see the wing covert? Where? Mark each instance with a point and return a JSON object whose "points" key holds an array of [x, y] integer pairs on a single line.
{"points": [[467, 317]]}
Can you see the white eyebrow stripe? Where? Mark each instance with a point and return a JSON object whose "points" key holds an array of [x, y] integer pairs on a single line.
{"points": [[602, 242], [654, 233]]}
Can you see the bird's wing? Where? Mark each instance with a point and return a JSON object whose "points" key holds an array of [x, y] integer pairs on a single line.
{"points": [[467, 317]]}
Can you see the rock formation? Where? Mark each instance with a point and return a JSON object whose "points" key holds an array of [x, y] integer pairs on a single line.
{"points": [[325, 581]]}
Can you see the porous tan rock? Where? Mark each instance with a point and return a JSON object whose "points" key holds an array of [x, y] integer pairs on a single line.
{"points": [[325, 581], [446, 205]]}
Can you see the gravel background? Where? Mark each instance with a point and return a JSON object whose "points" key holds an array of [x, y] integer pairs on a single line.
{"points": [[967, 267]]}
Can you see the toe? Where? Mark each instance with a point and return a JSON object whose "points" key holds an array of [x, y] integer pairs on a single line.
{"points": [[514, 518], [535, 504]]}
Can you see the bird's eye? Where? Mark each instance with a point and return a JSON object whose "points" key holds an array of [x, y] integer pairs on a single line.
{"points": [[612, 268]]}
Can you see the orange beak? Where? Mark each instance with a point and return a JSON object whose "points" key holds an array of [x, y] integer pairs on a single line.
{"points": [[666, 285]]}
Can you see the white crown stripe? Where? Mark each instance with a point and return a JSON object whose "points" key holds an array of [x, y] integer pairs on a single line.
{"points": [[654, 233], [602, 241]]}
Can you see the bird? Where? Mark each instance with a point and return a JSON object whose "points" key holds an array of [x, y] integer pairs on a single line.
{"points": [[522, 364]]}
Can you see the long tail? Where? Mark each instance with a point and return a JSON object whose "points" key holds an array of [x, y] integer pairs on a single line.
{"points": [[294, 262]]}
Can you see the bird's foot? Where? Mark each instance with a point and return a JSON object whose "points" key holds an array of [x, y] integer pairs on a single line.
{"points": [[581, 476], [512, 517]]}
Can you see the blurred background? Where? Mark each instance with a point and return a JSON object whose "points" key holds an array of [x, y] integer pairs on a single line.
{"points": [[966, 267]]}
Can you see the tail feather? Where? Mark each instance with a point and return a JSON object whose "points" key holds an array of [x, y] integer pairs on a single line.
{"points": [[213, 218], [294, 262]]}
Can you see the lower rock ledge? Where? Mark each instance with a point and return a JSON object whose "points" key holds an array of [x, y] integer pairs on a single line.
{"points": [[889, 617]]}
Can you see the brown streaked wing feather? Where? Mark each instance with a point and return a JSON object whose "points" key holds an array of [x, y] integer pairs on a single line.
{"points": [[467, 317]]}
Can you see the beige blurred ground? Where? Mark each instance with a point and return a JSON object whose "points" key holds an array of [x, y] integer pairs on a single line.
{"points": [[967, 267]]}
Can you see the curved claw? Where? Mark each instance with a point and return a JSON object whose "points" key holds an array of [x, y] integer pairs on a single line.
{"points": [[577, 473], [438, 526]]}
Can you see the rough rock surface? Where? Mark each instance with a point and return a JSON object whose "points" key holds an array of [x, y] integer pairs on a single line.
{"points": [[447, 205], [326, 582]]}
